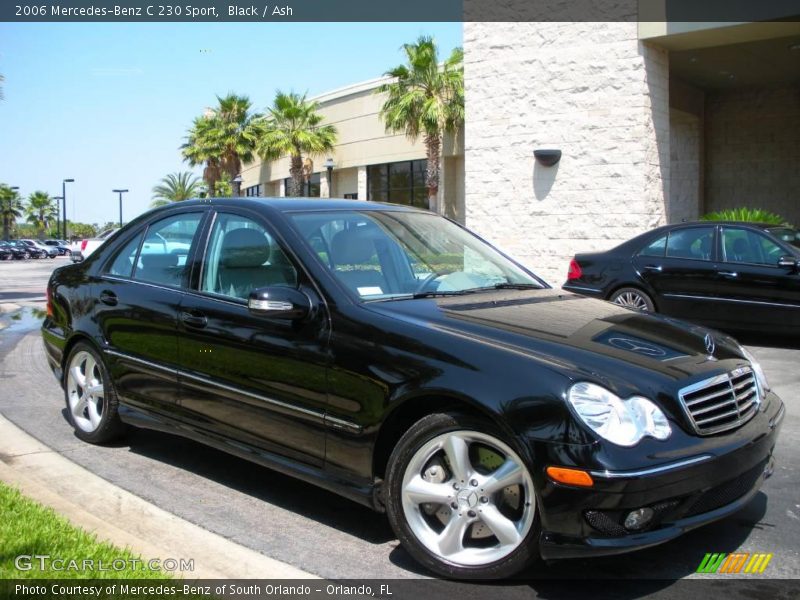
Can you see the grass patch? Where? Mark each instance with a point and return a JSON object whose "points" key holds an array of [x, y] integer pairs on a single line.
{"points": [[28, 528]]}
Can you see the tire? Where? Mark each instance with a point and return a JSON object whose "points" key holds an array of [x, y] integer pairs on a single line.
{"points": [[90, 397], [633, 298], [457, 532]]}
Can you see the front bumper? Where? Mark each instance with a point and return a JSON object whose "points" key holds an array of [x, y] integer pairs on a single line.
{"points": [[684, 493]]}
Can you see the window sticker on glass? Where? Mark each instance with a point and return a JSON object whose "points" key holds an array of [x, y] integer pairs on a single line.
{"points": [[370, 291]]}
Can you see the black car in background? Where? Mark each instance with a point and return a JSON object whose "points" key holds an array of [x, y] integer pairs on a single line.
{"points": [[731, 275], [19, 250], [389, 355]]}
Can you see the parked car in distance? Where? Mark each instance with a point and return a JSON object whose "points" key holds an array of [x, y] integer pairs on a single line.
{"points": [[389, 355], [5, 252], [39, 250], [80, 250], [60, 245], [731, 275], [19, 250]]}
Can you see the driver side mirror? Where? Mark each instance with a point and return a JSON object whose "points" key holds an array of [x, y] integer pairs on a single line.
{"points": [[279, 302], [789, 262]]}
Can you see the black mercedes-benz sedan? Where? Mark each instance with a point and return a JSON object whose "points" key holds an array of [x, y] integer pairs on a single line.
{"points": [[390, 355], [731, 275]]}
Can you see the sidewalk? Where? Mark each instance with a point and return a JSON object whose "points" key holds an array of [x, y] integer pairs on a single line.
{"points": [[123, 519]]}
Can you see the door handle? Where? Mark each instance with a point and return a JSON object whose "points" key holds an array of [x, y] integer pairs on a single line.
{"points": [[729, 274], [657, 268], [108, 297], [197, 320]]}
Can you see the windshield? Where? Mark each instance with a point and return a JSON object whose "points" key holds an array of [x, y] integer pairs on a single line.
{"points": [[787, 234], [392, 254]]}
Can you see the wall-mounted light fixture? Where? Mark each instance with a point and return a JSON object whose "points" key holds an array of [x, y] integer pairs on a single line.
{"points": [[547, 158]]}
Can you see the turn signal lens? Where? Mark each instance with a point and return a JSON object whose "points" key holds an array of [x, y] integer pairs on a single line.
{"points": [[49, 302], [570, 476]]}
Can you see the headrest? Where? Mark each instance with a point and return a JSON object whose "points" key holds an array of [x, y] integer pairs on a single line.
{"points": [[244, 248], [354, 246], [158, 261]]}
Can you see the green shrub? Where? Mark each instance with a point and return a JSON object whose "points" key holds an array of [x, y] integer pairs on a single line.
{"points": [[750, 215]]}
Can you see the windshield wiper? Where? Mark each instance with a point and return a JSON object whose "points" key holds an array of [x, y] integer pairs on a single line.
{"points": [[437, 294], [514, 286]]}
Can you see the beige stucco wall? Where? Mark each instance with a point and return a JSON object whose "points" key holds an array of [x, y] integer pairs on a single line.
{"points": [[753, 150], [592, 90], [685, 189]]}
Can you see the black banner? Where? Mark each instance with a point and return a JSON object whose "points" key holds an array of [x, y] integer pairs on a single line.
{"points": [[154, 11]]}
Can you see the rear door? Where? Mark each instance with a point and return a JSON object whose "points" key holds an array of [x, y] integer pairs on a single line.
{"points": [[681, 268], [255, 379], [136, 306]]}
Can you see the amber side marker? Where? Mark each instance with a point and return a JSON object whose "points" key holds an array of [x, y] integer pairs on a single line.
{"points": [[570, 476]]}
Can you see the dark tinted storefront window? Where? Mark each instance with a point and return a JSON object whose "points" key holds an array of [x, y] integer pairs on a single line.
{"points": [[310, 187], [400, 182]]}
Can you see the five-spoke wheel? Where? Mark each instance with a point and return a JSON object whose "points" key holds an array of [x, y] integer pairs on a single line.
{"points": [[462, 499]]}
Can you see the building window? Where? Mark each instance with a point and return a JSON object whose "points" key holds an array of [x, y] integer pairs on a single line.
{"points": [[400, 182], [311, 188], [253, 190]]}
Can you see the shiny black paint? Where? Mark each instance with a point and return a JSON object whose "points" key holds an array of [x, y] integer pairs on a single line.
{"points": [[316, 397], [735, 297]]}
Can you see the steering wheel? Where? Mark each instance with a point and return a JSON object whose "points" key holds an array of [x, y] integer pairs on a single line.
{"points": [[430, 279]]}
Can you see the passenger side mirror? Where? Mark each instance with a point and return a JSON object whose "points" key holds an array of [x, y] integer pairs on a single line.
{"points": [[278, 302], [789, 262]]}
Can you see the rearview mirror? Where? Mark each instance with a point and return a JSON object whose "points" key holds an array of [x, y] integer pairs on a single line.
{"points": [[789, 262], [279, 303]]}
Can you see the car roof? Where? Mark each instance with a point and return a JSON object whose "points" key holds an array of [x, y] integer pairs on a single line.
{"points": [[299, 204]]}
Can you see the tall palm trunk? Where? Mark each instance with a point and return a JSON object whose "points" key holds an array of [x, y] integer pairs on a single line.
{"points": [[433, 148], [296, 174]]}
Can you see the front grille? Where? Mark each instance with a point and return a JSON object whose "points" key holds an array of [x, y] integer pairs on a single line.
{"points": [[722, 402], [728, 492]]}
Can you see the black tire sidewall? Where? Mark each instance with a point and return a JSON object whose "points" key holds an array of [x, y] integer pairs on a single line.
{"points": [[110, 426], [421, 432]]}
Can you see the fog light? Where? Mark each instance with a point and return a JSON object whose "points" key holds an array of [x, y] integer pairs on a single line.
{"points": [[639, 518]]}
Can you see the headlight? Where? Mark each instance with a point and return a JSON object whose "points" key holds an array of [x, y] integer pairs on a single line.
{"points": [[622, 422], [761, 378]]}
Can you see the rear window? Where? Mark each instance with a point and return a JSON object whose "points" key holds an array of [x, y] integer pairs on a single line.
{"points": [[656, 248], [695, 243]]}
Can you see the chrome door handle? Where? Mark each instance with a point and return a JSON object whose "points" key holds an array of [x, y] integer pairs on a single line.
{"points": [[194, 320], [657, 268], [730, 274]]}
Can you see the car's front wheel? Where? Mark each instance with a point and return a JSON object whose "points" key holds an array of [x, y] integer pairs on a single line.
{"points": [[461, 499], [90, 396]]}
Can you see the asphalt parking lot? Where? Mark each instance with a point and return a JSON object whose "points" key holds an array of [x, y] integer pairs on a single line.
{"points": [[323, 533]]}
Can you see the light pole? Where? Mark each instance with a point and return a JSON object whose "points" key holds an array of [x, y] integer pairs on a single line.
{"points": [[120, 192], [329, 164], [236, 190], [64, 205], [58, 210]]}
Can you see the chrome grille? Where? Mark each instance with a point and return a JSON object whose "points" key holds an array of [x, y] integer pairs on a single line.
{"points": [[722, 402]]}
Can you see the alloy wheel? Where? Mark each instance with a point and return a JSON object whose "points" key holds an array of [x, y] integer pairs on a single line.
{"points": [[85, 392], [468, 498], [631, 299]]}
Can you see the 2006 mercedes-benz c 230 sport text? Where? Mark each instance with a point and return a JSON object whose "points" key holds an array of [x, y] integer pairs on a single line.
{"points": [[389, 355]]}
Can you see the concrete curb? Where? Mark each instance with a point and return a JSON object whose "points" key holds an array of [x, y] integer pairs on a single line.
{"points": [[124, 519]]}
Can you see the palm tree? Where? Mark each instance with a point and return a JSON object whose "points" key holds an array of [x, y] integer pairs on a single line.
{"points": [[10, 208], [292, 126], [39, 209], [426, 99], [175, 187], [222, 140]]}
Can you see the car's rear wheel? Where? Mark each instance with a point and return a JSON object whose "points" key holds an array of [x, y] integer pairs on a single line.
{"points": [[461, 499], [634, 298], [90, 396]]}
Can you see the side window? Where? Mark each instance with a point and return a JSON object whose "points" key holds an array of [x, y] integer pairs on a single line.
{"points": [[123, 262], [695, 242], [242, 256], [656, 248], [750, 247], [165, 249]]}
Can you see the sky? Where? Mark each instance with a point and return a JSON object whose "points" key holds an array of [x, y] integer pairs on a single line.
{"points": [[108, 104]]}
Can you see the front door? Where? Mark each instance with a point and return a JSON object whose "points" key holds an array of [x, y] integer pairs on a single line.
{"points": [[258, 380]]}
